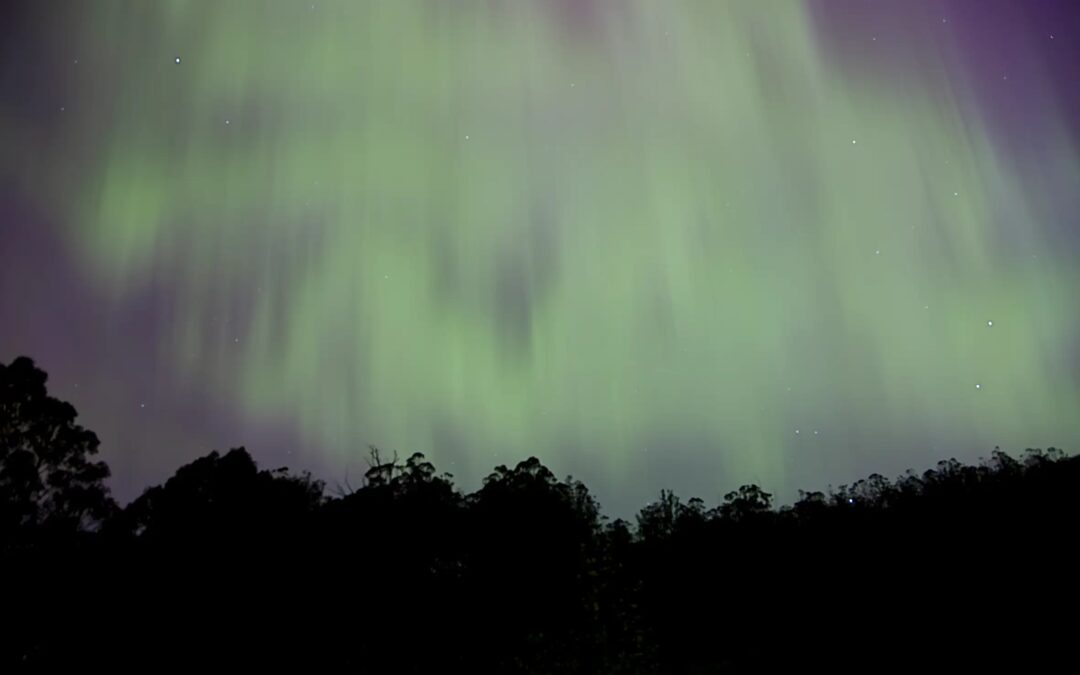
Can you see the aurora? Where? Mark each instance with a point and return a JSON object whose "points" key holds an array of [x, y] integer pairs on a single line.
{"points": [[656, 244]]}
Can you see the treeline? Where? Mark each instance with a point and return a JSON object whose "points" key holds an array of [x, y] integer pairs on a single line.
{"points": [[229, 566]]}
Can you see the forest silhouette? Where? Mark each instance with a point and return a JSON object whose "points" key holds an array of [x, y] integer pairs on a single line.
{"points": [[229, 565]]}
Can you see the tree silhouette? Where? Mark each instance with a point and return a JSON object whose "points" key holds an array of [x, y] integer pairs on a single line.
{"points": [[228, 564], [657, 520], [748, 501], [223, 500], [48, 480], [530, 537]]}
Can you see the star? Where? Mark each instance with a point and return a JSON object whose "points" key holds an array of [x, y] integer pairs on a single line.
{"points": [[853, 141], [226, 121], [877, 252], [796, 431], [178, 59], [989, 323], [466, 137], [142, 405], [978, 386]]}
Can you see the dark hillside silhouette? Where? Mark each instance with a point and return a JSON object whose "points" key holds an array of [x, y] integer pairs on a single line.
{"points": [[229, 566]]}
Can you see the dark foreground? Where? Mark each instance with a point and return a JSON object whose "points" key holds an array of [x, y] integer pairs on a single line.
{"points": [[226, 566]]}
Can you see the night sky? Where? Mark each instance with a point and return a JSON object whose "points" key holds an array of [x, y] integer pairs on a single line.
{"points": [[667, 244]]}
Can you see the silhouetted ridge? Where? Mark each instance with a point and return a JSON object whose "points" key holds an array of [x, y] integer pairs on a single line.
{"points": [[226, 565]]}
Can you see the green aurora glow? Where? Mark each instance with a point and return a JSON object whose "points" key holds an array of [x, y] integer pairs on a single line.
{"points": [[469, 230]]}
